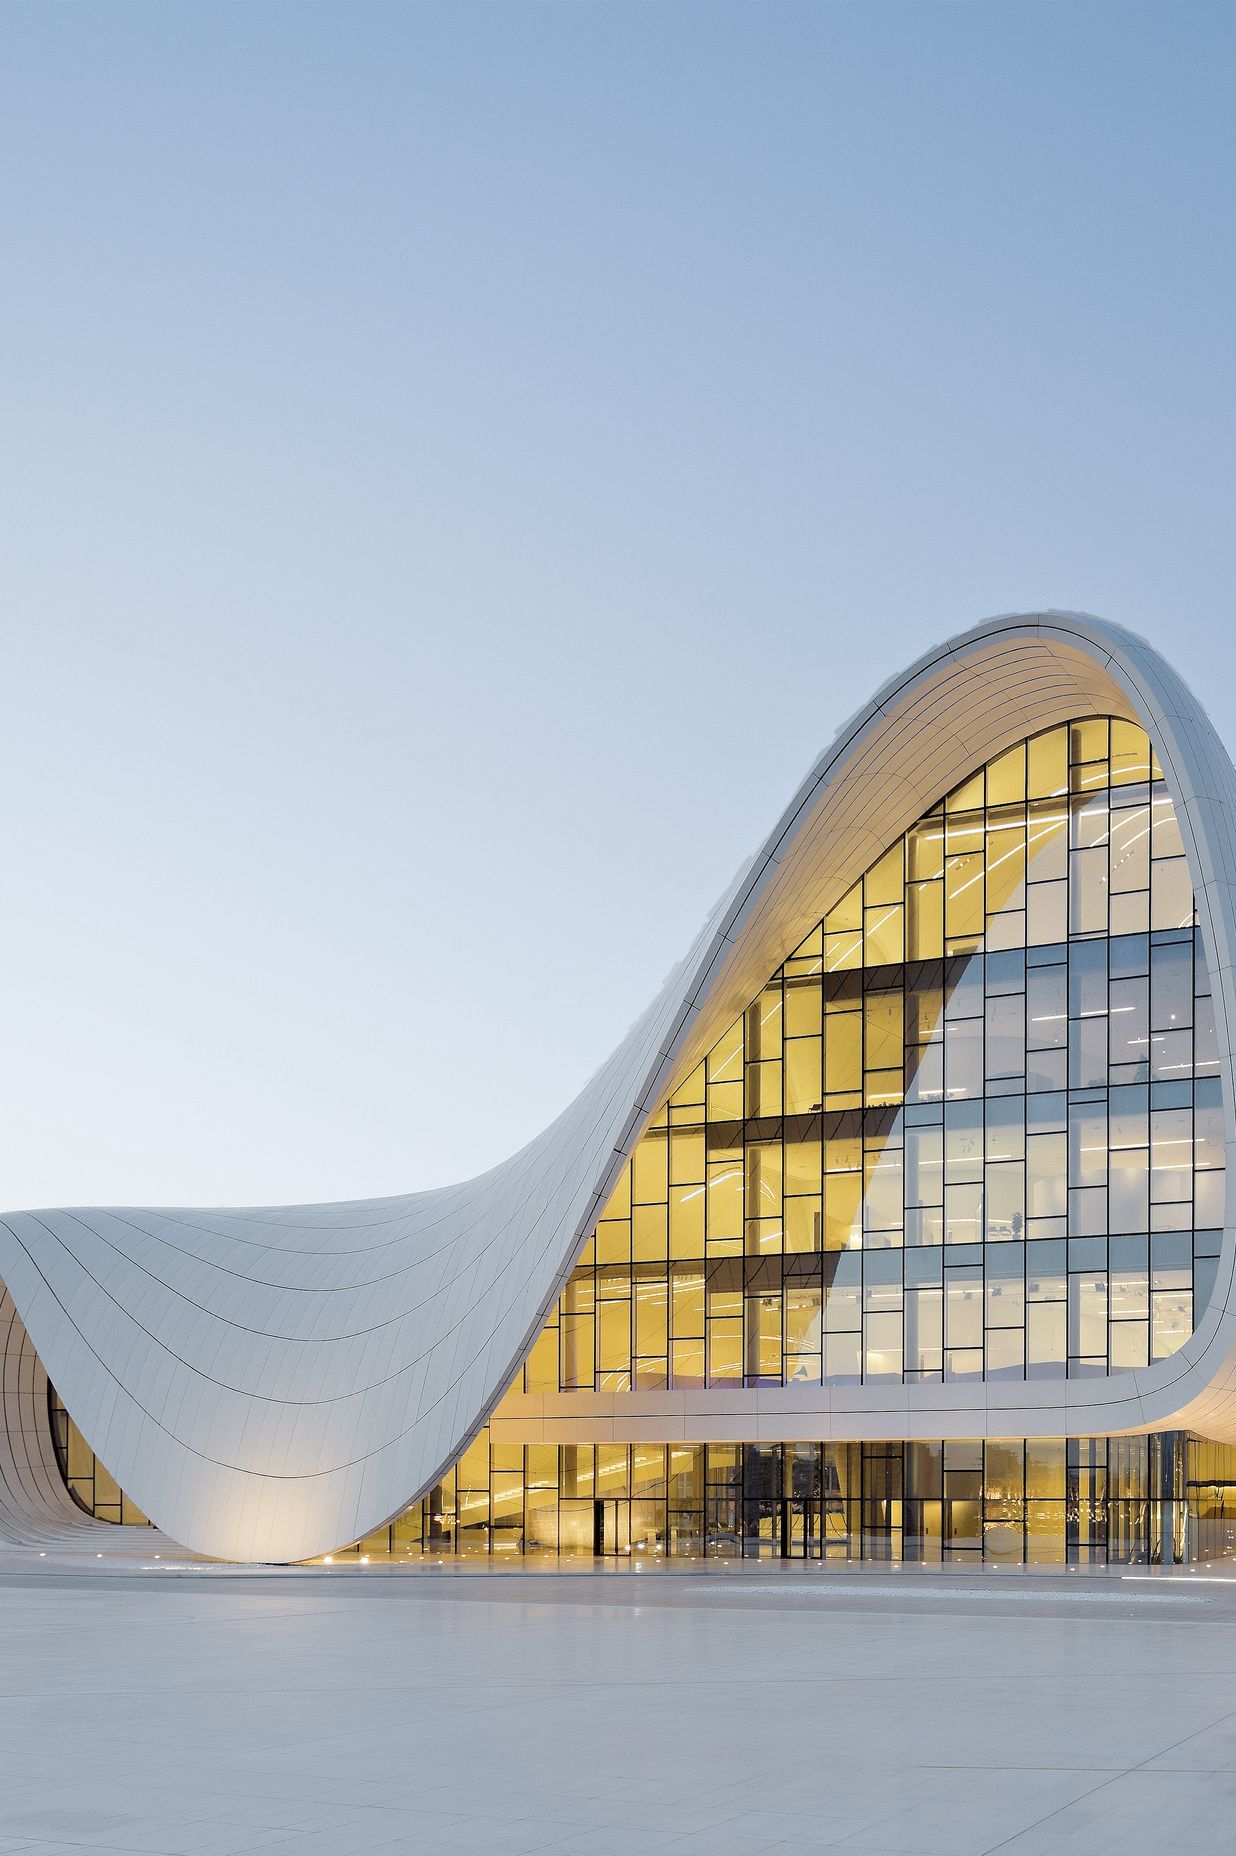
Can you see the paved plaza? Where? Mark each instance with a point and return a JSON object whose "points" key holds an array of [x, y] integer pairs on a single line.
{"points": [[723, 1711]]}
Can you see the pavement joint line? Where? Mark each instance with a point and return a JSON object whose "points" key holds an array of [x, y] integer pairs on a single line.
{"points": [[1066, 1594]]}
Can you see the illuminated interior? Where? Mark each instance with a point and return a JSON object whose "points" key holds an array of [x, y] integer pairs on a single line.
{"points": [[971, 1129]]}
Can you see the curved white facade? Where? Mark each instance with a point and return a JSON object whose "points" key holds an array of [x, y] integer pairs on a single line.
{"points": [[271, 1384]]}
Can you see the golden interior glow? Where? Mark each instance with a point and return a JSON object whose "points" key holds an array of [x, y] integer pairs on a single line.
{"points": [[970, 1128]]}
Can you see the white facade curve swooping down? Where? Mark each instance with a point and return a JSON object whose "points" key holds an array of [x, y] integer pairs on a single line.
{"points": [[270, 1384]]}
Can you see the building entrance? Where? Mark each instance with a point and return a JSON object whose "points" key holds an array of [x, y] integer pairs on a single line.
{"points": [[801, 1529], [611, 1528]]}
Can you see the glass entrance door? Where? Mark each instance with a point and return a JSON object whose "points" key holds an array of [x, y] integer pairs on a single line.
{"points": [[611, 1528], [801, 1529]]}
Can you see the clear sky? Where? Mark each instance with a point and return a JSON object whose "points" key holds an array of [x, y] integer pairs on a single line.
{"points": [[459, 464]]}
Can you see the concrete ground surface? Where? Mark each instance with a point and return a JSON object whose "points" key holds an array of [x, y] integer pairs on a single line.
{"points": [[703, 1711]]}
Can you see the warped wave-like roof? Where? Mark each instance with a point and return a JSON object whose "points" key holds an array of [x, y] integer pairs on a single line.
{"points": [[269, 1384]]}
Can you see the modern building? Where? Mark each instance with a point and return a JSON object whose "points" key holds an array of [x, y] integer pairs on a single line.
{"points": [[894, 1228]]}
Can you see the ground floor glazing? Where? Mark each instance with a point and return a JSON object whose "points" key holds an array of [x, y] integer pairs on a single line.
{"points": [[1164, 1499]]}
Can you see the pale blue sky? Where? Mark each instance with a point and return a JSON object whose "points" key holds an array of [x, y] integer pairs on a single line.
{"points": [[459, 465]]}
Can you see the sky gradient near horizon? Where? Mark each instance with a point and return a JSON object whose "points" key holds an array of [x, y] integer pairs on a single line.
{"points": [[460, 464]]}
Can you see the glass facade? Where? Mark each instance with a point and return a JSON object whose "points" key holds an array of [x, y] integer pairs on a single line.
{"points": [[970, 1129], [1049, 1502], [86, 1479]]}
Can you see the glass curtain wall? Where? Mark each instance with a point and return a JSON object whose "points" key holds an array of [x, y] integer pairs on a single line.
{"points": [[1048, 1502], [971, 1128], [86, 1479]]}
